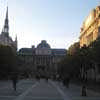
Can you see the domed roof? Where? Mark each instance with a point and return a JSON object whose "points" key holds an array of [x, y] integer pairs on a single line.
{"points": [[43, 44]]}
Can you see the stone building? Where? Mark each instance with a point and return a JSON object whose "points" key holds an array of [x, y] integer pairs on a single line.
{"points": [[5, 39], [90, 30], [44, 58]]}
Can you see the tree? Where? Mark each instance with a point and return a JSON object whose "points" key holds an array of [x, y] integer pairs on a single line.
{"points": [[95, 54], [95, 50], [7, 61], [73, 49]]}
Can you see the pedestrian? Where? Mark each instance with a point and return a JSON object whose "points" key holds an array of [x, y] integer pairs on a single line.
{"points": [[14, 81], [84, 90], [67, 82], [47, 79], [64, 81]]}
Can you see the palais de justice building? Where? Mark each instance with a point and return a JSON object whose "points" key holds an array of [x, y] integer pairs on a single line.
{"points": [[44, 58], [90, 30]]}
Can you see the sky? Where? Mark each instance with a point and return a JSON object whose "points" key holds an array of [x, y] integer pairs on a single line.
{"points": [[56, 21]]}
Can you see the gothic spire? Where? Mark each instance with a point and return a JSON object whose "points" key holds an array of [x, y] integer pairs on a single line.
{"points": [[6, 24], [7, 13]]}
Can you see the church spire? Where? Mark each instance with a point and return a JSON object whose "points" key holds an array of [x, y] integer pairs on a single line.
{"points": [[6, 24], [7, 13]]}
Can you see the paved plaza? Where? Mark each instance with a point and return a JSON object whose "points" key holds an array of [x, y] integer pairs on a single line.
{"points": [[43, 90]]}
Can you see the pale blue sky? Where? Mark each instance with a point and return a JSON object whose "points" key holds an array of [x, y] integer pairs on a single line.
{"points": [[57, 21]]}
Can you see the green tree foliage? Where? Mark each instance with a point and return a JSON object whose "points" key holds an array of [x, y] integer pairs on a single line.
{"points": [[73, 49], [7, 61], [69, 66], [80, 58], [76, 59], [95, 50]]}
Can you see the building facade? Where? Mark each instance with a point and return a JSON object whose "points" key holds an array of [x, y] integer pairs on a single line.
{"points": [[5, 39], [44, 58], [90, 30]]}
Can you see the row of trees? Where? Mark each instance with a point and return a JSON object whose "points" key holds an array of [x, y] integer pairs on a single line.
{"points": [[79, 60], [76, 63]]}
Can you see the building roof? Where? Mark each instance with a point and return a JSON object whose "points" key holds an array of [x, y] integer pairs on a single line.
{"points": [[43, 44], [58, 51], [25, 51]]}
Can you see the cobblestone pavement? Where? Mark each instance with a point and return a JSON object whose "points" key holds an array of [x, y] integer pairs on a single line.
{"points": [[43, 90], [8, 93], [29, 90], [74, 92]]}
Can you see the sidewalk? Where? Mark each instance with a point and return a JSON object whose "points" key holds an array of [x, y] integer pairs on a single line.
{"points": [[74, 92]]}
